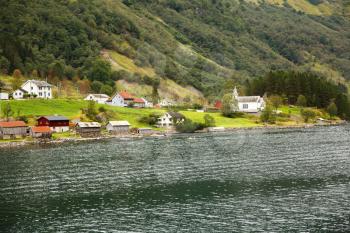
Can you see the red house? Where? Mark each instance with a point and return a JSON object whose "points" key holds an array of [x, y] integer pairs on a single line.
{"points": [[56, 123]]}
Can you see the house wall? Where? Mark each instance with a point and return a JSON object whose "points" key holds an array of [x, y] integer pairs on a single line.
{"points": [[117, 129], [13, 132], [252, 107], [41, 92], [56, 126], [118, 101], [88, 132], [4, 96], [165, 121], [98, 100], [18, 94]]}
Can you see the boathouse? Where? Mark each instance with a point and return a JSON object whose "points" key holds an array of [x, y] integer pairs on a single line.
{"points": [[40, 132], [118, 127], [88, 129], [13, 129]]}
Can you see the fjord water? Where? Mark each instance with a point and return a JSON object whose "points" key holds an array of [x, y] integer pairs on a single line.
{"points": [[244, 181]]}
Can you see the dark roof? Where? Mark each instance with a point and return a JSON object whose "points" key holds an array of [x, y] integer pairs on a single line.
{"points": [[56, 118], [176, 115]]}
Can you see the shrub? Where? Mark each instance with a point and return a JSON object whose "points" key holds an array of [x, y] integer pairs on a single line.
{"points": [[209, 121], [308, 114], [151, 119], [268, 116], [187, 126]]}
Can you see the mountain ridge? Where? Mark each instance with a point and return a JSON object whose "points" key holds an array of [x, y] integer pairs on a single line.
{"points": [[199, 43]]}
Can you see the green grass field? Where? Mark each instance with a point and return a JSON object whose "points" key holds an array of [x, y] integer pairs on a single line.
{"points": [[72, 109]]}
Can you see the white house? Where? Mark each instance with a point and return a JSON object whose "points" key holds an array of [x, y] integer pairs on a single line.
{"points": [[40, 89], [19, 93], [99, 98], [121, 99], [169, 118], [165, 103], [147, 103], [4, 96], [249, 104]]}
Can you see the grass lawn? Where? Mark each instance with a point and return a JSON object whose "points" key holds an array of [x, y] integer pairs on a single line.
{"points": [[72, 109], [223, 121]]}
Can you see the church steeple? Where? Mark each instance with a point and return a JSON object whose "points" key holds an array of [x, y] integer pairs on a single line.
{"points": [[235, 93]]}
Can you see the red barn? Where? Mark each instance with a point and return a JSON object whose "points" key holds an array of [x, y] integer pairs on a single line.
{"points": [[218, 104], [56, 123]]}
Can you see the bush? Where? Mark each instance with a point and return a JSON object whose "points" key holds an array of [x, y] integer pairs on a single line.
{"points": [[209, 121], [308, 114], [268, 116], [187, 126], [151, 119]]}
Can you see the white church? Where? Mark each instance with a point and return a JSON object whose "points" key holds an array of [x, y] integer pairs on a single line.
{"points": [[248, 104]]}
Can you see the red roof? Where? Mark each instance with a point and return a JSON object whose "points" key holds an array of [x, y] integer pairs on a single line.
{"points": [[41, 129], [126, 95], [12, 124], [139, 100], [218, 104]]}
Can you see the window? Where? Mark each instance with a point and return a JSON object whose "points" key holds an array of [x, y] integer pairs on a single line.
{"points": [[245, 106], [31, 88]]}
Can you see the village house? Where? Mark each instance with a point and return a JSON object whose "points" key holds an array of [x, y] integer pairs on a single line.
{"points": [[88, 129], [19, 94], [41, 132], [165, 103], [13, 129], [57, 124], [147, 103], [39, 89], [139, 103], [118, 127], [98, 98], [248, 104], [121, 99], [4, 96], [125, 99], [170, 118]]}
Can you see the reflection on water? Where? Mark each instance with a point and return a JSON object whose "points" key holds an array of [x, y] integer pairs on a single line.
{"points": [[244, 181]]}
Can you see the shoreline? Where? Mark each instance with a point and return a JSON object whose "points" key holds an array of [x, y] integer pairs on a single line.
{"points": [[23, 143]]}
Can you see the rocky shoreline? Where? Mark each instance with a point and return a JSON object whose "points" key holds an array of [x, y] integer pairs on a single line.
{"points": [[160, 134]]}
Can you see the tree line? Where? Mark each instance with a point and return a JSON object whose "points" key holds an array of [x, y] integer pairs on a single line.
{"points": [[296, 87]]}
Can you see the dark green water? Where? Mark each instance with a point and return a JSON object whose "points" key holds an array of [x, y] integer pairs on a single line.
{"points": [[245, 181]]}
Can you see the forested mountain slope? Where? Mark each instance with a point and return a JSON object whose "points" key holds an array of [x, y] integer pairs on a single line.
{"points": [[199, 43]]}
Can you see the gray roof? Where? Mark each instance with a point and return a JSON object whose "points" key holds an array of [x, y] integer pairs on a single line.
{"points": [[40, 83], [176, 115], [89, 125], [100, 96], [56, 118], [248, 99], [119, 123]]}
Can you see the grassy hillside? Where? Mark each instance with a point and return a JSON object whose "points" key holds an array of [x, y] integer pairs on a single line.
{"points": [[72, 109], [196, 44]]}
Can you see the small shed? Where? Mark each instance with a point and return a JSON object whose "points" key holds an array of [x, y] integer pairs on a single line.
{"points": [[13, 129], [4, 96], [88, 129], [40, 132], [118, 127]]}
